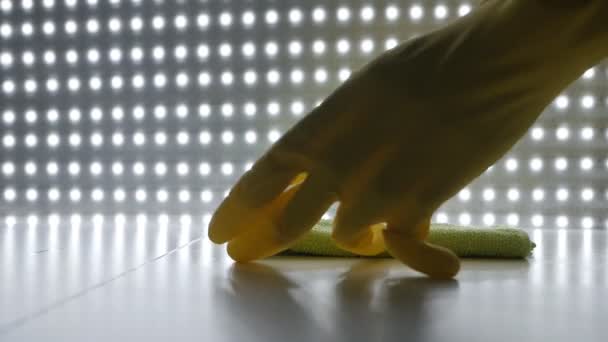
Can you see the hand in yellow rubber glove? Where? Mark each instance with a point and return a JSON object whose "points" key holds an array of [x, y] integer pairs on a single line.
{"points": [[412, 128]]}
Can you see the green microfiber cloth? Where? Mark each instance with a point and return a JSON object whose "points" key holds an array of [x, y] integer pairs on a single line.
{"points": [[495, 242]]}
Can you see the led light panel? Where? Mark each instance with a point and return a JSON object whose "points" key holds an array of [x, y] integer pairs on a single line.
{"points": [[159, 106]]}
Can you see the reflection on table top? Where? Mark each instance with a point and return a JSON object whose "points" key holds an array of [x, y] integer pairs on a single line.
{"points": [[109, 280]]}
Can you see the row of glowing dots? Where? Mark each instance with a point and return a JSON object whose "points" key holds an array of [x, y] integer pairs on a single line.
{"points": [[183, 80], [160, 80], [248, 109], [119, 219], [181, 52], [184, 138], [117, 168], [226, 19], [139, 139], [160, 169], [54, 194], [203, 52], [139, 112]]}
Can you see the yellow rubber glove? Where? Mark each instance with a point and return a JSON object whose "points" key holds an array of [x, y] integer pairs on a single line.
{"points": [[409, 130]]}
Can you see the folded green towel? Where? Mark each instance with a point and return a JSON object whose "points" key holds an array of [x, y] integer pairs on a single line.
{"points": [[495, 242]]}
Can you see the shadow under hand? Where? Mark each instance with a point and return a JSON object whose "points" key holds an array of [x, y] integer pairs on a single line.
{"points": [[261, 308], [372, 306]]}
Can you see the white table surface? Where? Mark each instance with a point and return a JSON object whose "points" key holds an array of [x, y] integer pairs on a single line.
{"points": [[154, 282]]}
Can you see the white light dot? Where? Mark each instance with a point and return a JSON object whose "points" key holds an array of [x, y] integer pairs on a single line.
{"points": [[182, 168], [537, 220], [54, 194], [512, 165], [273, 135], [248, 49], [250, 77], [295, 16], [586, 164], [588, 102], [273, 77], [162, 196], [31, 194], [464, 219], [587, 133], [160, 80], [160, 112], [367, 14], [271, 17], [31, 140], [27, 29], [464, 9], [96, 114], [206, 196], [271, 49], [227, 137], [536, 164], [561, 164], [227, 110], [249, 109], [513, 195], [248, 18], [562, 133], [587, 194], [392, 13], [8, 87], [6, 59], [180, 22], [441, 12], [183, 138], [367, 46], [118, 168], [562, 194], [31, 117], [538, 195], [343, 14], [119, 195], [139, 138], [204, 138], [10, 194], [227, 169], [30, 168], [9, 141], [182, 79], [390, 43], [513, 219], [71, 27], [464, 195], [343, 46], [295, 48], [489, 219], [319, 15], [318, 47], [118, 139], [589, 74], [73, 84], [52, 168], [344, 74], [92, 26], [139, 169], [158, 23], [297, 76], [250, 137], [204, 169], [225, 19], [136, 24], [74, 168], [160, 169], [227, 78], [562, 102], [416, 12], [562, 221], [297, 108], [116, 82], [8, 168], [203, 21], [321, 75], [115, 25], [184, 196]]}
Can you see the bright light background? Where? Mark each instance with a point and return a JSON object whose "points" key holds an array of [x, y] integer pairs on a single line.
{"points": [[159, 106]]}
